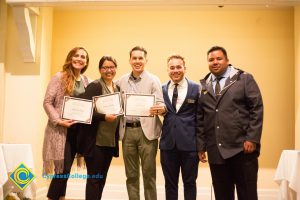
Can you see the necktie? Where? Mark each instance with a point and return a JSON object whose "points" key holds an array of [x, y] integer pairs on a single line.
{"points": [[218, 87], [175, 96]]}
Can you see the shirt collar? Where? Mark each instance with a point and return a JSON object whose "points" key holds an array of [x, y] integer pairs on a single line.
{"points": [[225, 75], [131, 77], [181, 83]]}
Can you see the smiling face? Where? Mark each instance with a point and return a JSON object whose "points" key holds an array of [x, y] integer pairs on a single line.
{"points": [[108, 71], [217, 62], [176, 69], [137, 61], [79, 60]]}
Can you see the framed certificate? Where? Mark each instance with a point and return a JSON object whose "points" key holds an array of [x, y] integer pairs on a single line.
{"points": [[138, 104], [80, 110], [108, 103]]}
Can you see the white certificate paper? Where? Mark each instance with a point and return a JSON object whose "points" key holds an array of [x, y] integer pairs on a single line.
{"points": [[139, 104], [108, 103], [80, 110]]}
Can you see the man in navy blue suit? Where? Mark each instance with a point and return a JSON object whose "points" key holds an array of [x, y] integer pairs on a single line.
{"points": [[178, 147]]}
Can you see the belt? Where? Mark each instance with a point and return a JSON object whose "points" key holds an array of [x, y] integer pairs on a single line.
{"points": [[133, 124]]}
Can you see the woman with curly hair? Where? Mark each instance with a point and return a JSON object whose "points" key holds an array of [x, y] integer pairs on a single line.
{"points": [[59, 147]]}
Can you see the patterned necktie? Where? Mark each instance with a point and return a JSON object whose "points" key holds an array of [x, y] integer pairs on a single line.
{"points": [[218, 87], [175, 96]]}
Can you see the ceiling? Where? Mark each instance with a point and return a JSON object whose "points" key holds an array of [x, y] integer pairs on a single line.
{"points": [[219, 3], [26, 30]]}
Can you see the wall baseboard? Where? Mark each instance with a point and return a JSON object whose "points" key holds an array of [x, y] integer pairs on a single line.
{"points": [[119, 192]]}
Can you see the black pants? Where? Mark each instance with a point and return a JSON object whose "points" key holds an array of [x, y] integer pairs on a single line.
{"points": [[239, 171], [97, 168], [174, 160], [58, 186]]}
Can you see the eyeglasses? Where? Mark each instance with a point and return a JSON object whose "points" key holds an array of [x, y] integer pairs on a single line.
{"points": [[108, 67]]}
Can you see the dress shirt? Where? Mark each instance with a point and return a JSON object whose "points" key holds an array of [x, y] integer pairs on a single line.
{"points": [[148, 84], [223, 80], [182, 91], [135, 85]]}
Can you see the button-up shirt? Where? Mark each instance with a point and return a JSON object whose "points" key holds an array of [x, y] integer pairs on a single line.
{"points": [[223, 80], [182, 91]]}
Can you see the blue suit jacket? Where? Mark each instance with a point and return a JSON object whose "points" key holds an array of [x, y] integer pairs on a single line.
{"points": [[180, 128]]}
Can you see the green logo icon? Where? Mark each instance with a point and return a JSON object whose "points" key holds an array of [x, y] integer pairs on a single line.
{"points": [[22, 176]]}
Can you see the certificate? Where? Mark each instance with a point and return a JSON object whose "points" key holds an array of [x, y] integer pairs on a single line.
{"points": [[139, 104], [80, 110], [108, 103]]}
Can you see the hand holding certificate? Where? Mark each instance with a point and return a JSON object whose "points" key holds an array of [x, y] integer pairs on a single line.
{"points": [[108, 104], [158, 109], [80, 110], [139, 105]]}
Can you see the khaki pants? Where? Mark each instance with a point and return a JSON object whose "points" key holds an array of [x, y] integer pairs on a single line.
{"points": [[137, 148]]}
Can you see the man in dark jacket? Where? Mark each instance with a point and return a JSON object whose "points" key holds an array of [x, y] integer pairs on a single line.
{"points": [[230, 119], [178, 147]]}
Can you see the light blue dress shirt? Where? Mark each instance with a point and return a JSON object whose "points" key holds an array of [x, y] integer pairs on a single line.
{"points": [[223, 80]]}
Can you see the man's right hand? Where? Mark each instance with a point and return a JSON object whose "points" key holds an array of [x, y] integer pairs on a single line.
{"points": [[202, 156]]}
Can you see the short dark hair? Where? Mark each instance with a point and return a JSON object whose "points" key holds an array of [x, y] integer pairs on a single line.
{"points": [[138, 48], [217, 48], [176, 56], [108, 58]]}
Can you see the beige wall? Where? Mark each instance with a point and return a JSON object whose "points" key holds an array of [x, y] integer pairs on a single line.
{"points": [[3, 18], [258, 41], [45, 71], [25, 85], [297, 77], [2, 81]]}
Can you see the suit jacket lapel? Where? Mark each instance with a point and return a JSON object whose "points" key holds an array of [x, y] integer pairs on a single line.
{"points": [[234, 73], [189, 90], [207, 86], [207, 83]]}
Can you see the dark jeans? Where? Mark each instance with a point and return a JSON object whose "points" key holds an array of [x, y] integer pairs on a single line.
{"points": [[58, 186], [239, 171], [97, 168], [172, 161]]}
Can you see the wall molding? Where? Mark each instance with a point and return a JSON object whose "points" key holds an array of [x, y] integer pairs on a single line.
{"points": [[26, 21]]}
